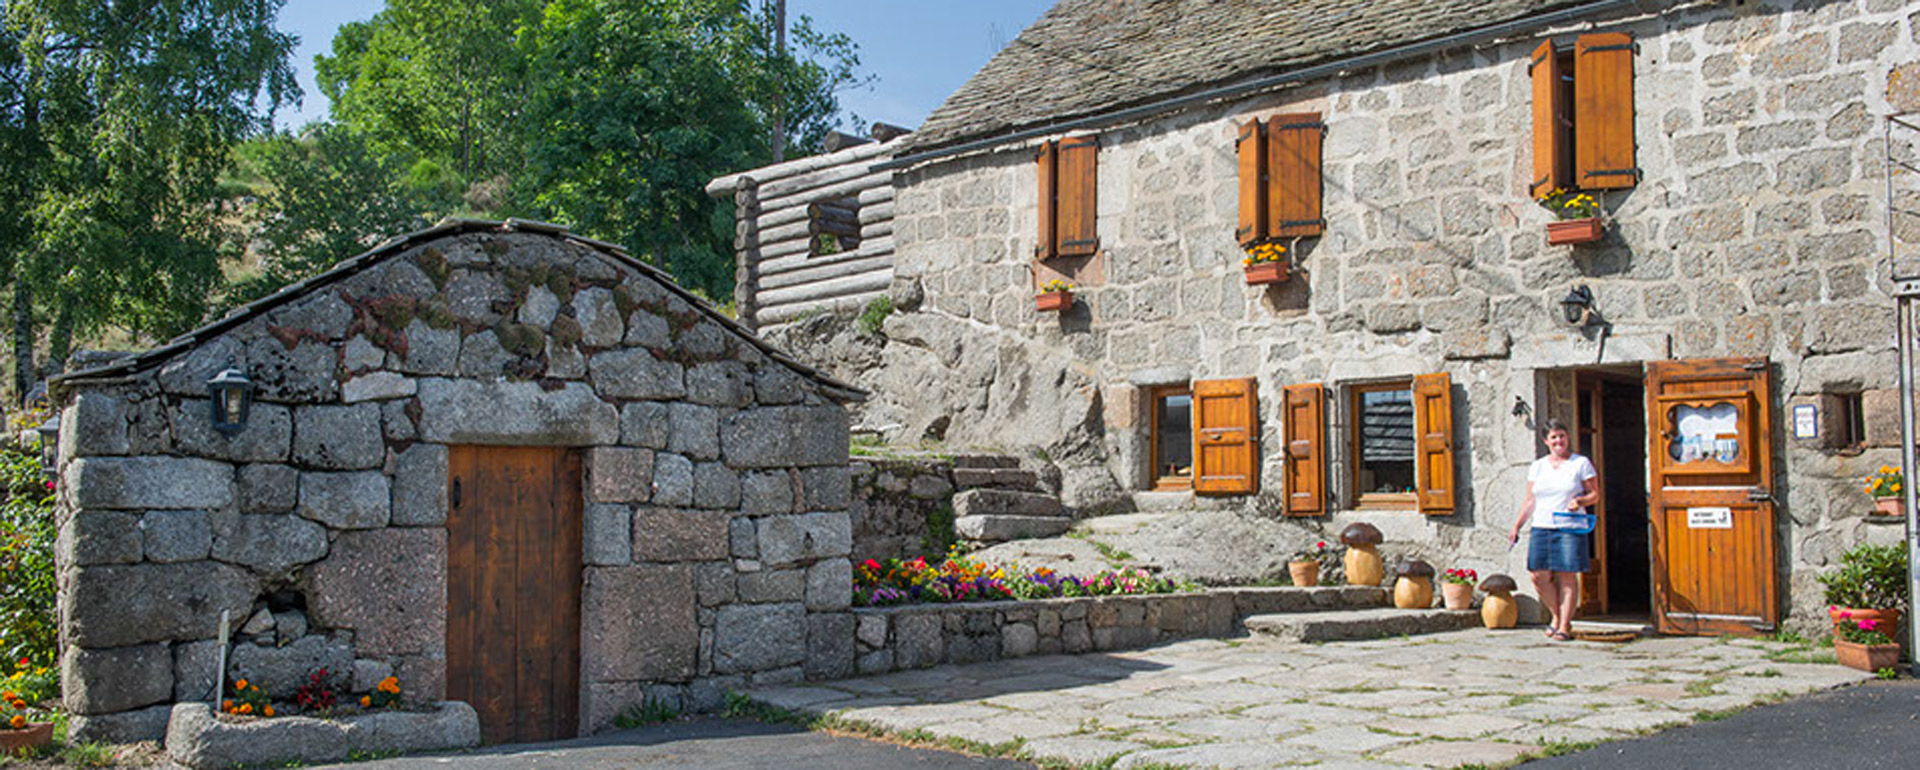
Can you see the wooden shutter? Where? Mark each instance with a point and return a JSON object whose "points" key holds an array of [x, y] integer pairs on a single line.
{"points": [[1603, 112], [1044, 244], [1225, 448], [1549, 123], [1251, 147], [1076, 189], [1433, 442], [1293, 175], [1304, 412]]}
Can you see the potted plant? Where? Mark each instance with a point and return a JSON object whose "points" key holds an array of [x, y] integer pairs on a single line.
{"points": [[1054, 295], [1456, 588], [1863, 644], [1871, 584], [1265, 263], [1579, 215], [1414, 589], [1499, 610], [19, 732], [1362, 559], [1305, 566], [1884, 487]]}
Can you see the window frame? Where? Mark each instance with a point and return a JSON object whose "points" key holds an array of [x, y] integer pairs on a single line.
{"points": [[1156, 395], [1351, 438]]}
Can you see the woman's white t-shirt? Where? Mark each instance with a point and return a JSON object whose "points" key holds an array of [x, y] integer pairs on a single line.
{"points": [[1555, 487]]}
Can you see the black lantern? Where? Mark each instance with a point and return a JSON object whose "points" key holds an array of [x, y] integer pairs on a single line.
{"points": [[50, 446], [1578, 306], [232, 396]]}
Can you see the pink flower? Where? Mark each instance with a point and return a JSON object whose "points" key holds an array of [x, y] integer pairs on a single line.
{"points": [[1867, 625]]}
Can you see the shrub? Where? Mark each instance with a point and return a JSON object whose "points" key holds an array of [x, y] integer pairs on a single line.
{"points": [[875, 315], [27, 629], [1870, 577]]}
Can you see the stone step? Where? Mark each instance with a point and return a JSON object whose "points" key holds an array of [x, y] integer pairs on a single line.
{"points": [[1359, 624], [1162, 502], [991, 528], [1006, 502], [985, 461], [1008, 478]]}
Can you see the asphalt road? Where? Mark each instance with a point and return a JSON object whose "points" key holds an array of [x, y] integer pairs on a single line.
{"points": [[733, 744], [1870, 725]]}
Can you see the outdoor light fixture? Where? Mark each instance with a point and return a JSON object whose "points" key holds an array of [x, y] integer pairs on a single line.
{"points": [[1578, 306], [50, 446], [232, 395]]}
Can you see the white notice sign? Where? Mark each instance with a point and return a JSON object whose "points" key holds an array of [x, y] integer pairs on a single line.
{"points": [[1709, 518], [1806, 422]]}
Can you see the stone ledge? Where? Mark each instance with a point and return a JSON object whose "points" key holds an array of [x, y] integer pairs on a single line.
{"points": [[199, 740]]}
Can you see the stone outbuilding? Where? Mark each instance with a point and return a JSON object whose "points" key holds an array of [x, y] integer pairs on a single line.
{"points": [[503, 463]]}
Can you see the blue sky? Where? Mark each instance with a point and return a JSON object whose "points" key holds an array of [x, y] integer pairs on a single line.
{"points": [[917, 50]]}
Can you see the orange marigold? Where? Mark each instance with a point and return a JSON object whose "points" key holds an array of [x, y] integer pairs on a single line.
{"points": [[268, 711], [390, 685], [8, 695], [226, 705], [240, 685], [19, 721], [366, 701], [246, 708], [19, 704]]}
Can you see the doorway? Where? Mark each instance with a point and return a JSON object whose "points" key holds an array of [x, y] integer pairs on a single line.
{"points": [[1609, 422]]}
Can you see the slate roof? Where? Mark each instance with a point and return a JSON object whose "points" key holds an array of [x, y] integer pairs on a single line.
{"points": [[126, 365], [1084, 57]]}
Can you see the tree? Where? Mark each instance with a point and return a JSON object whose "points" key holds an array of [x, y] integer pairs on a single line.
{"points": [[116, 117]]}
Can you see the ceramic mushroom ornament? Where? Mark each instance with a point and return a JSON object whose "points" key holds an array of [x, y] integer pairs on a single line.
{"points": [[1414, 589], [1499, 610], [1362, 559]]}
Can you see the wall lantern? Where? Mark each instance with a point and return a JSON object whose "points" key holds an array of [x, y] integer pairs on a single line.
{"points": [[50, 446], [1577, 308], [232, 396]]}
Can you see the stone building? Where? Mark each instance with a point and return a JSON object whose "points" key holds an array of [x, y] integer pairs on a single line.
{"points": [[1724, 350], [506, 464]]}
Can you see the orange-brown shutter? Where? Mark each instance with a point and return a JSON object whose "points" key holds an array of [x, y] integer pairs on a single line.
{"points": [[1304, 411], [1549, 123], [1076, 183], [1603, 112], [1433, 442], [1225, 439], [1293, 175], [1251, 148], [1044, 244]]}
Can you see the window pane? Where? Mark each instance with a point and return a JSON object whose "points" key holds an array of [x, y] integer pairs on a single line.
{"points": [[1174, 455], [1706, 433], [1386, 442]]}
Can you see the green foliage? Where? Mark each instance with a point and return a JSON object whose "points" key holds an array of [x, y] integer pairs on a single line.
{"points": [[875, 315], [1870, 577], [940, 537], [652, 712], [27, 626], [1888, 673]]}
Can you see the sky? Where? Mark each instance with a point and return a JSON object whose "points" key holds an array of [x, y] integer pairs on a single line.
{"points": [[918, 51]]}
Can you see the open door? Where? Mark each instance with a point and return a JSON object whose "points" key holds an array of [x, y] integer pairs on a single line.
{"points": [[1709, 429], [1590, 419]]}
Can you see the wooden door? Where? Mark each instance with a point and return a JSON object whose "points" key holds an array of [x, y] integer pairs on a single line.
{"points": [[1710, 438], [1589, 428], [513, 590]]}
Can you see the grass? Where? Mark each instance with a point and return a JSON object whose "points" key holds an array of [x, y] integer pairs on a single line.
{"points": [[1115, 557], [1705, 686], [875, 315], [652, 712]]}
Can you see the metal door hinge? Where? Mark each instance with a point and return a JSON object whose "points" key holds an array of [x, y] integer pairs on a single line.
{"points": [[1759, 495]]}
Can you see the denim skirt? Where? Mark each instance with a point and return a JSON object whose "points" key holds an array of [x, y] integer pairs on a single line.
{"points": [[1555, 550]]}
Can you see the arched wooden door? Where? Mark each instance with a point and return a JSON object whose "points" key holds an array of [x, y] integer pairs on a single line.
{"points": [[1709, 428], [513, 589]]}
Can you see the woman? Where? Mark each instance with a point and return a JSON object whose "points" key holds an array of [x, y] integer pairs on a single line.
{"points": [[1561, 482]]}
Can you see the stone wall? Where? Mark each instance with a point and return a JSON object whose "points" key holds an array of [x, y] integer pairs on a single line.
{"points": [[1754, 231], [902, 507], [716, 528], [921, 635]]}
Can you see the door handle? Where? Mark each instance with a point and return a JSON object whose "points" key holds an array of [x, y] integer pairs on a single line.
{"points": [[1760, 495]]}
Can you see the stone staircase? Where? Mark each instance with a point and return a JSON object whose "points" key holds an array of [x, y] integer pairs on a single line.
{"points": [[1346, 625], [998, 501]]}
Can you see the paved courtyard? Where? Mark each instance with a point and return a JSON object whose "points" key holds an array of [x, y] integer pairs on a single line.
{"points": [[1467, 697]]}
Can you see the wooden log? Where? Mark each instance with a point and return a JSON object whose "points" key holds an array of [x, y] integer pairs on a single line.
{"points": [[824, 271], [781, 249], [826, 177], [841, 227], [876, 195], [834, 209], [771, 315], [842, 188], [801, 260], [880, 229], [826, 289], [866, 152], [878, 212]]}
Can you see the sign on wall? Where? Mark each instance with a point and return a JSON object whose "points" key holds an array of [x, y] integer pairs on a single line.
{"points": [[1709, 518]]}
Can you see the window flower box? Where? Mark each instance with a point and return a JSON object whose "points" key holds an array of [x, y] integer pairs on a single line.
{"points": [[1568, 232], [1263, 273], [1866, 657], [1054, 296]]}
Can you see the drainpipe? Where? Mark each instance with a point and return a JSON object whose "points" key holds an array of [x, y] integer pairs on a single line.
{"points": [[1904, 290]]}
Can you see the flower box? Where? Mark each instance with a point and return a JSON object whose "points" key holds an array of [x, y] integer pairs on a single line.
{"points": [[1887, 618], [34, 737], [1889, 506], [1571, 231], [1053, 301], [1262, 273], [1866, 657], [200, 739]]}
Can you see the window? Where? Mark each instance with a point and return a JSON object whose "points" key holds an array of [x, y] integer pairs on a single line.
{"points": [[833, 225], [1400, 444], [1845, 422], [1280, 185], [1225, 438], [1172, 438], [1583, 115], [1067, 202], [1304, 419]]}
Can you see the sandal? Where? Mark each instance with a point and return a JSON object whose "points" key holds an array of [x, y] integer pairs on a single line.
{"points": [[1561, 636]]}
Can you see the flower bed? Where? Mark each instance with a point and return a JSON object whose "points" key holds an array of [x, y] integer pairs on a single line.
{"points": [[198, 738], [961, 579]]}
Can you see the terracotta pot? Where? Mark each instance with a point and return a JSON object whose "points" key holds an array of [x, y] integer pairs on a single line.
{"points": [[1458, 596], [1889, 619], [35, 736], [1500, 611], [1260, 273], [1570, 231], [1053, 300], [1413, 593], [1305, 573], [1866, 657], [1889, 506], [1364, 566]]}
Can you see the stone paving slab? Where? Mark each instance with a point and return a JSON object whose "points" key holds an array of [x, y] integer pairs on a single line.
{"points": [[1472, 697]]}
